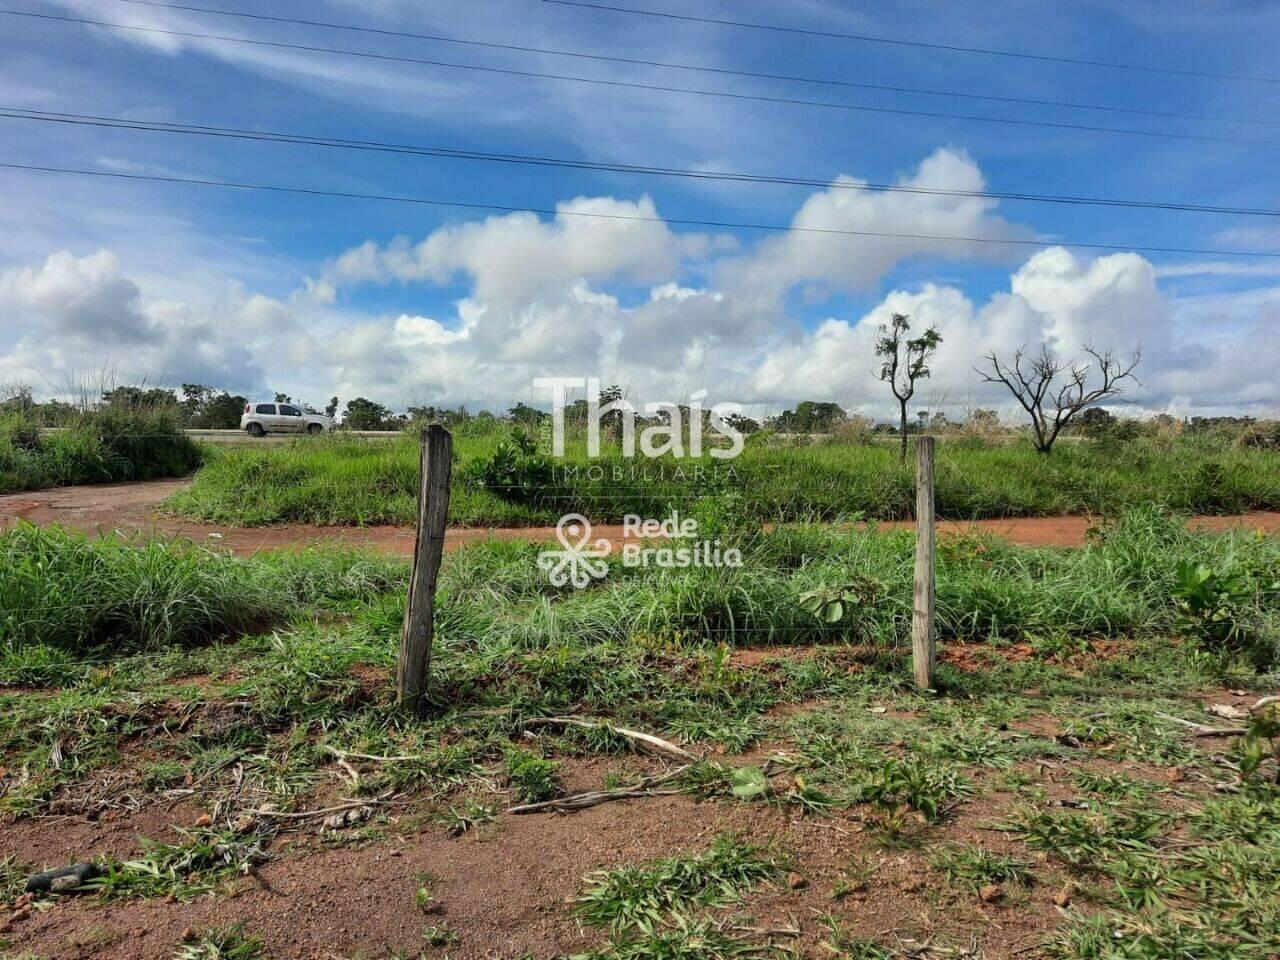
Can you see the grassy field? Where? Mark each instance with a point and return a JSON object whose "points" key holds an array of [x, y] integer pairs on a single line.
{"points": [[344, 481], [1045, 802], [105, 446]]}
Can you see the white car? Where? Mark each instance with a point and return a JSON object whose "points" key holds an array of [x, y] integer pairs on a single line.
{"points": [[259, 419]]}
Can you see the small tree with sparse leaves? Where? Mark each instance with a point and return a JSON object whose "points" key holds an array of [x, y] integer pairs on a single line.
{"points": [[906, 360]]}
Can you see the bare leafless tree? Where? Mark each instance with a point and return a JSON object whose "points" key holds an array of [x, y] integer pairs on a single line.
{"points": [[905, 361], [1052, 404]]}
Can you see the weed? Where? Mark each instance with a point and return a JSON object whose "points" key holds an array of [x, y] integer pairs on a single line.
{"points": [[184, 870], [1112, 786], [424, 901], [1250, 817], [683, 939], [13, 878], [972, 746], [854, 878], [975, 867], [655, 650], [639, 896], [230, 943], [163, 774], [1084, 839], [339, 479], [1210, 602], [848, 946], [472, 814], [921, 785], [848, 603], [533, 778], [1119, 936], [734, 733], [709, 778], [749, 783], [439, 935], [809, 798], [115, 444], [1262, 742], [1057, 645], [60, 589]]}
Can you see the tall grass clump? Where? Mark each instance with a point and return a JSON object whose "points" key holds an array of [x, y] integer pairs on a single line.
{"points": [[337, 479], [1124, 582], [113, 444], [796, 585], [65, 591]]}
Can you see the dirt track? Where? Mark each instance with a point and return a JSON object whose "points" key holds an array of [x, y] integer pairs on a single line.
{"points": [[130, 508]]}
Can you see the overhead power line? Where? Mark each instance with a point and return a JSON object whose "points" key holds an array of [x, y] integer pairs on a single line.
{"points": [[633, 85], [899, 42], [276, 136], [671, 65], [715, 224]]}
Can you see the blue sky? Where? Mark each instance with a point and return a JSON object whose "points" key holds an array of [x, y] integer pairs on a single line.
{"points": [[259, 292]]}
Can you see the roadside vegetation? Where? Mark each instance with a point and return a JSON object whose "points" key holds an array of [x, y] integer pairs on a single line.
{"points": [[501, 479], [61, 591], [1143, 571], [112, 444]]}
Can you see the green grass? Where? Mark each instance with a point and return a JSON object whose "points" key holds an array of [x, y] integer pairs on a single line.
{"points": [[340, 480], [105, 446], [13, 878], [62, 592], [1161, 896], [639, 896], [249, 714], [851, 946], [227, 943], [683, 940], [974, 867]]}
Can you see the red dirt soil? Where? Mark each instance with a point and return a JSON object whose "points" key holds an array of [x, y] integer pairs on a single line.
{"points": [[130, 508], [503, 889]]}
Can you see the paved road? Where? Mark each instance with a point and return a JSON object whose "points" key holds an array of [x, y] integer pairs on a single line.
{"points": [[131, 509]]}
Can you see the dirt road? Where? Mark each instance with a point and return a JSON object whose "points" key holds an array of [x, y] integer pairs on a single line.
{"points": [[130, 508]]}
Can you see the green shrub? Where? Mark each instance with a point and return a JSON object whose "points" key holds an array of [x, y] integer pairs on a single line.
{"points": [[1210, 603], [110, 445], [533, 778]]}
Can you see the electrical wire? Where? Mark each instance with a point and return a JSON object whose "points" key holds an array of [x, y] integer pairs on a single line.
{"points": [[926, 45], [660, 88], [276, 136], [717, 224], [670, 65]]}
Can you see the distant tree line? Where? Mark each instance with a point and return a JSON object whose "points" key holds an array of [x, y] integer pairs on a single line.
{"points": [[1054, 409]]}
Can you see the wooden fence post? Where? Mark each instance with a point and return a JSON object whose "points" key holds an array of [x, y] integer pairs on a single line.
{"points": [[414, 667], [924, 650]]}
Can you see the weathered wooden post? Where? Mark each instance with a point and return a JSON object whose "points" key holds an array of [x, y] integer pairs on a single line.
{"points": [[924, 651], [414, 667]]}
